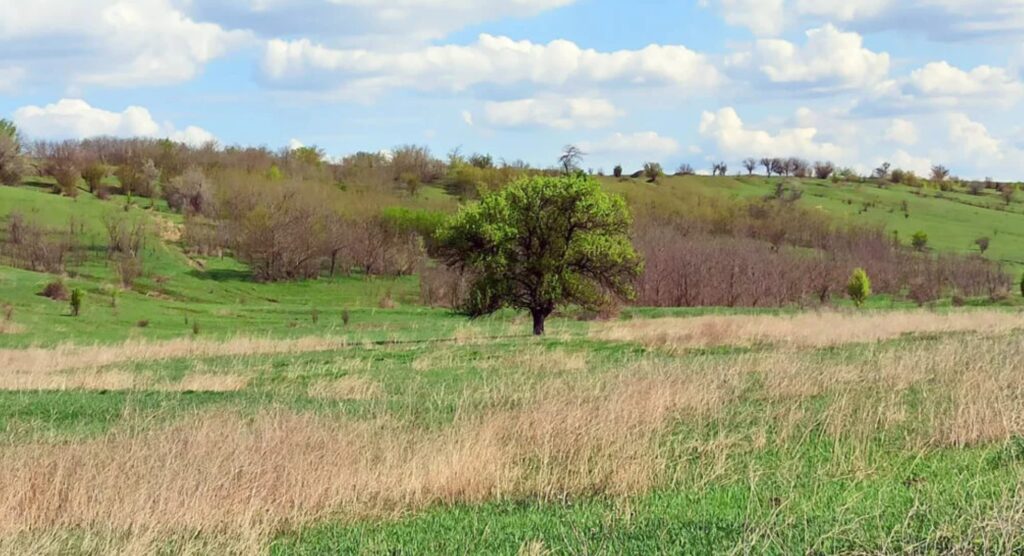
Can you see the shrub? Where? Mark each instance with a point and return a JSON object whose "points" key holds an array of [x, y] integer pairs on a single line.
{"points": [[142, 323], [93, 174], [982, 243], [129, 268], [12, 164], [652, 171], [617, 172], [919, 241], [386, 301], [314, 315], [56, 290], [76, 301], [345, 317], [859, 287]]}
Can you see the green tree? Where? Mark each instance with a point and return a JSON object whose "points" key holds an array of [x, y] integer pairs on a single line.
{"points": [[859, 287], [543, 242], [76, 301], [919, 240], [12, 164]]}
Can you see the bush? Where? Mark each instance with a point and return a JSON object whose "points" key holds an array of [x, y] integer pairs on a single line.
{"points": [[919, 241], [617, 172], [12, 164], [652, 171], [56, 291], [859, 287], [76, 301]]}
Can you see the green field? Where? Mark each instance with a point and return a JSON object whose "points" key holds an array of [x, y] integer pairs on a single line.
{"points": [[202, 412]]}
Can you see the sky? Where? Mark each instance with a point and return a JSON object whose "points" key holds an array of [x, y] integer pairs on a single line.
{"points": [[857, 82]]}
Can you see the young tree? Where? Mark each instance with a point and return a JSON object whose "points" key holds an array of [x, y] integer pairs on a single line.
{"points": [[1007, 192], [542, 242], [859, 287], [823, 170], [939, 173], [750, 164], [76, 302], [12, 163], [652, 171], [982, 243], [571, 158], [919, 240], [94, 174]]}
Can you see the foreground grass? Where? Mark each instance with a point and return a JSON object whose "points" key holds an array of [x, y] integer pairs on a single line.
{"points": [[608, 439]]}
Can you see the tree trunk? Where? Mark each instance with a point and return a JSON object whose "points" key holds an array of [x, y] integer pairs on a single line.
{"points": [[538, 322]]}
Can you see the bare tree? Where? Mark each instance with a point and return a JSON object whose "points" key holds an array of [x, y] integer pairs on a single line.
{"points": [[750, 164], [882, 172], [767, 163], [571, 158], [780, 167], [798, 167], [939, 173], [823, 170], [12, 163], [719, 169], [1007, 192], [685, 169]]}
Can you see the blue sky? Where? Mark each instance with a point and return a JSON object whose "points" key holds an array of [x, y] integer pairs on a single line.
{"points": [[859, 82]]}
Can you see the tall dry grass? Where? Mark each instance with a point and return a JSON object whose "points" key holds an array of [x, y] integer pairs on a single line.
{"points": [[222, 474], [223, 481], [804, 329]]}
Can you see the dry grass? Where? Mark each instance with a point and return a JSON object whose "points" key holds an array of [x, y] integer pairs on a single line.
{"points": [[66, 357], [349, 387], [805, 329], [8, 327], [220, 474]]}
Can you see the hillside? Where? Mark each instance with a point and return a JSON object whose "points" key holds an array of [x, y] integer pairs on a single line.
{"points": [[953, 220], [181, 295]]}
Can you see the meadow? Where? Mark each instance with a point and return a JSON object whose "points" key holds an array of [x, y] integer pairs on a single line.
{"points": [[200, 411]]}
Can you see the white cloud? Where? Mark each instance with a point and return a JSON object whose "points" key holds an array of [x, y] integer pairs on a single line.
{"points": [[467, 117], [901, 131], [110, 42], [731, 136], [830, 60], [940, 79], [553, 112], [490, 60], [944, 20], [939, 86], [973, 139], [76, 119], [906, 161], [642, 143], [294, 144]]}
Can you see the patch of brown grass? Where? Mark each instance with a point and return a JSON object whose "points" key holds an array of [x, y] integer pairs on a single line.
{"points": [[349, 387], [804, 329], [66, 357], [219, 473]]}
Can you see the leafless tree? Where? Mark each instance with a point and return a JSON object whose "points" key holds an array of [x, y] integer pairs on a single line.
{"points": [[750, 164], [571, 158], [768, 167], [823, 170], [939, 173]]}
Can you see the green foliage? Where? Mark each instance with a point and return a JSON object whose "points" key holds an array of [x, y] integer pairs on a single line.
{"points": [[76, 301], [274, 173], [543, 242], [423, 222], [919, 240], [859, 287], [652, 171]]}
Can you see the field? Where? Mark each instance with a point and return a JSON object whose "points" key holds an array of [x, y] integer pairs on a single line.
{"points": [[202, 412]]}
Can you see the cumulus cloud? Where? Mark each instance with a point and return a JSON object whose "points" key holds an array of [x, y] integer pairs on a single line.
{"points": [[829, 60], [732, 137], [491, 60], [110, 42], [939, 86], [945, 20], [553, 112], [901, 131], [973, 139], [76, 119]]}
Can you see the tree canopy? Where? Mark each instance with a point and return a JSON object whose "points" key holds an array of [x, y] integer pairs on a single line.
{"points": [[543, 242]]}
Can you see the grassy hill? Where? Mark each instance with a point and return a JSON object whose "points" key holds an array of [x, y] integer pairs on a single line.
{"points": [[215, 296], [953, 220]]}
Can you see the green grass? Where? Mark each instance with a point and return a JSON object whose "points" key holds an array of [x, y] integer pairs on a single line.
{"points": [[952, 220]]}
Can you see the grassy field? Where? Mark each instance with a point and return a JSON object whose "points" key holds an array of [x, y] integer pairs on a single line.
{"points": [[200, 412], [830, 432]]}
